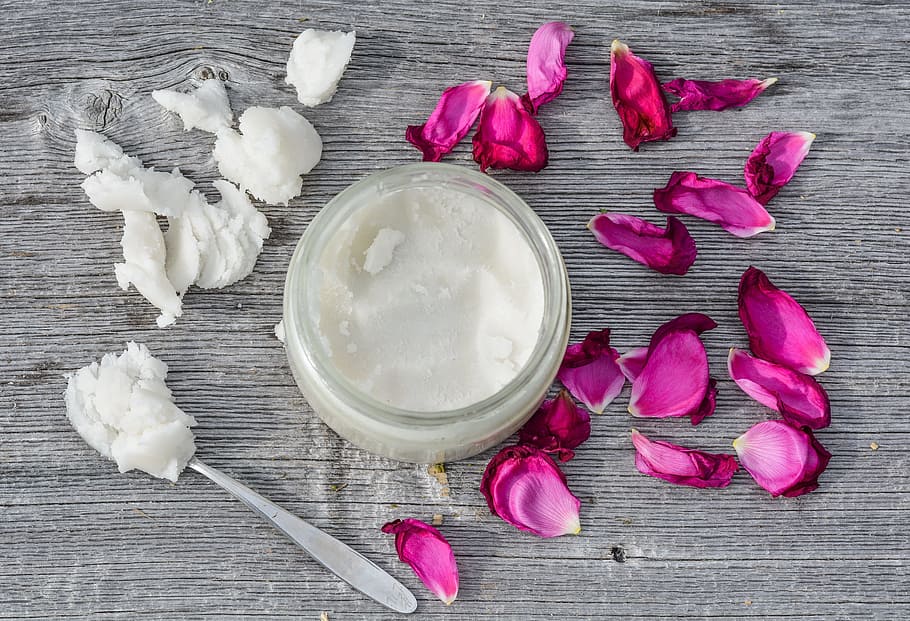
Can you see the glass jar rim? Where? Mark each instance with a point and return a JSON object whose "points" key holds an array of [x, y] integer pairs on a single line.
{"points": [[302, 335]]}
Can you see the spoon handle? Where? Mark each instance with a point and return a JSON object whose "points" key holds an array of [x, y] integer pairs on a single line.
{"points": [[337, 557]]}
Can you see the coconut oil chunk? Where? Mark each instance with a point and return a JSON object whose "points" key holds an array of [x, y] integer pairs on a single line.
{"points": [[429, 299], [122, 408], [206, 245], [317, 62], [206, 108], [267, 156]]}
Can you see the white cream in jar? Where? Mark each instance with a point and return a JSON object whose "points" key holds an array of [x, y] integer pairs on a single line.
{"points": [[429, 299]]}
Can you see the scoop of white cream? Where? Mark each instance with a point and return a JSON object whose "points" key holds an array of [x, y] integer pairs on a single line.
{"points": [[267, 156], [123, 409], [206, 108], [317, 62], [429, 299]]}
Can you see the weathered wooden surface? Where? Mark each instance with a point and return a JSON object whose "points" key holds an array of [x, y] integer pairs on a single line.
{"points": [[78, 540]]}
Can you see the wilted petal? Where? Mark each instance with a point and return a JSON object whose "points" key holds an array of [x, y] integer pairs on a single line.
{"points": [[716, 201], [508, 136], [454, 115], [774, 162], [708, 95], [546, 63], [429, 554], [674, 381], [783, 459], [799, 398], [708, 404], [632, 362], [779, 328], [526, 488], [590, 372], [557, 427], [638, 98], [668, 251], [682, 466]]}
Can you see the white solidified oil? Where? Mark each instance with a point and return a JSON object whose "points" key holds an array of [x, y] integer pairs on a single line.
{"points": [[429, 299], [122, 408]]}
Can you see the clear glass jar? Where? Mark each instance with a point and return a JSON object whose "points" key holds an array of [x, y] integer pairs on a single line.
{"points": [[423, 437]]}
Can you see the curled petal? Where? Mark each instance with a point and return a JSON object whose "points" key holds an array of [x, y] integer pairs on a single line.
{"points": [[779, 329], [774, 162], [708, 95], [632, 362], [557, 427], [682, 466], [783, 459], [526, 488], [674, 381], [546, 63], [458, 108], [508, 136], [716, 201], [638, 98], [707, 405], [799, 398], [590, 372], [668, 251], [429, 554]]}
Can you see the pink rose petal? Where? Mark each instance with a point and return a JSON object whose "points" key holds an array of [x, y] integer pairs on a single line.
{"points": [[674, 381], [557, 427], [546, 63], [429, 554], [454, 115], [716, 201], [682, 466], [783, 459], [668, 251], [708, 95], [774, 162], [632, 362], [525, 487], [590, 372], [799, 398], [779, 329], [508, 136], [638, 98]]}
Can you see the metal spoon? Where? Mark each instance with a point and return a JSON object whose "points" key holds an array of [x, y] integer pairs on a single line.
{"points": [[343, 561]]}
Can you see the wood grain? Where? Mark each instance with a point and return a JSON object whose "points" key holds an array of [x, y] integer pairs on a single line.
{"points": [[79, 541]]}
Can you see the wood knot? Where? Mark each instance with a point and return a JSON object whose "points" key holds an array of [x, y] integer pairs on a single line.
{"points": [[104, 107], [618, 553]]}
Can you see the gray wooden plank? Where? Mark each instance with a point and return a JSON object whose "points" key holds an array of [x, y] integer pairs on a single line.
{"points": [[81, 541]]}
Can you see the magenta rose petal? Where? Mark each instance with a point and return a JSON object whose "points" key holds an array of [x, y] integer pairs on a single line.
{"points": [[590, 372], [720, 95], [638, 98], [681, 465], [708, 404], [779, 328], [458, 108], [716, 201], [546, 64], [508, 136], [783, 459], [668, 251], [799, 398], [774, 162], [557, 427], [429, 554], [525, 487], [674, 381], [632, 362]]}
